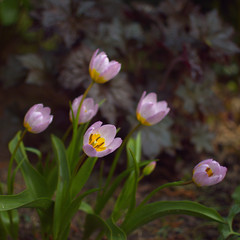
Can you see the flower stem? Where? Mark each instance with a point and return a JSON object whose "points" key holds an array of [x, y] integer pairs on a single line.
{"points": [[10, 166], [150, 195], [118, 153], [82, 158]]}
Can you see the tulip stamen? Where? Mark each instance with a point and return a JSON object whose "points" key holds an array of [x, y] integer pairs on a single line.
{"points": [[209, 172], [97, 142]]}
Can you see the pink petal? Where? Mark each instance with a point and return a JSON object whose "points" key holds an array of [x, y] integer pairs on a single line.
{"points": [[140, 102], [151, 97], [93, 59], [108, 132], [111, 71]]}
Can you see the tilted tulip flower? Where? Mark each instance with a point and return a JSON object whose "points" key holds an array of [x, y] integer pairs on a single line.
{"points": [[101, 70], [87, 112], [38, 118], [149, 111], [99, 141], [208, 172]]}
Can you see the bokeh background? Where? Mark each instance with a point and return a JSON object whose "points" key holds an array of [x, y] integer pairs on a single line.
{"points": [[187, 51]]}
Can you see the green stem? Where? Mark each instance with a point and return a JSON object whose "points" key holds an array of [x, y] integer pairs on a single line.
{"points": [[82, 158], [118, 153], [10, 166], [150, 195]]}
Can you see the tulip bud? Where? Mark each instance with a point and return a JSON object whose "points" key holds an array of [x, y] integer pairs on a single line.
{"points": [[101, 70], [149, 111], [147, 170], [37, 119]]}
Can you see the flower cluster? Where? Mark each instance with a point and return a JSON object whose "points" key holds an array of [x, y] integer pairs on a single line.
{"points": [[99, 140], [75, 159]]}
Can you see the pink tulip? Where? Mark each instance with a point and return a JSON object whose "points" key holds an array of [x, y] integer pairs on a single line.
{"points": [[99, 141], [37, 119], [87, 112], [101, 70], [208, 172], [149, 111]]}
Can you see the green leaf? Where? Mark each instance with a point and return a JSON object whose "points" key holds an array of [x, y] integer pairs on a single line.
{"points": [[127, 198], [10, 220], [3, 229], [107, 193], [112, 231], [155, 210], [135, 146], [33, 179], [63, 192], [82, 176], [75, 146], [69, 211], [24, 199]]}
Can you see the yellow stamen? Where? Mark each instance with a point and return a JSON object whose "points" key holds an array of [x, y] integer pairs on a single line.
{"points": [[209, 171], [97, 142], [142, 120], [95, 76]]}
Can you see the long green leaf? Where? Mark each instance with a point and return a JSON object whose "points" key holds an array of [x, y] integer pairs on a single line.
{"points": [[107, 193], [82, 176], [33, 179], [155, 210], [11, 226], [62, 194], [23, 199], [112, 231]]}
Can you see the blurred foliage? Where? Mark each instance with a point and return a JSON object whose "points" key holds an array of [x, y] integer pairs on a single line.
{"points": [[183, 50]]}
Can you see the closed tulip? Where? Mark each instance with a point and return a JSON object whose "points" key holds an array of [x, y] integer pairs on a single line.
{"points": [[208, 172], [101, 70], [38, 118], [149, 110]]}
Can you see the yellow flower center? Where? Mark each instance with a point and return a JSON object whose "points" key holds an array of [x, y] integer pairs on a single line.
{"points": [[209, 171], [95, 76], [97, 142], [142, 120], [27, 126]]}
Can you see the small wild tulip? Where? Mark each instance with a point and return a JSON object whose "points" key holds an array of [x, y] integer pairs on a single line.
{"points": [[101, 70], [87, 112], [99, 141], [149, 111], [208, 172], [37, 119]]}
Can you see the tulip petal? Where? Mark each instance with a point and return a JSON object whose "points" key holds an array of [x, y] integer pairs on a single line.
{"points": [[111, 71], [90, 150], [108, 132]]}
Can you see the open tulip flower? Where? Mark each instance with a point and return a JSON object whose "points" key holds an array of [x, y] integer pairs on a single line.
{"points": [[208, 172], [87, 112], [149, 111], [101, 70], [38, 118], [100, 141]]}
